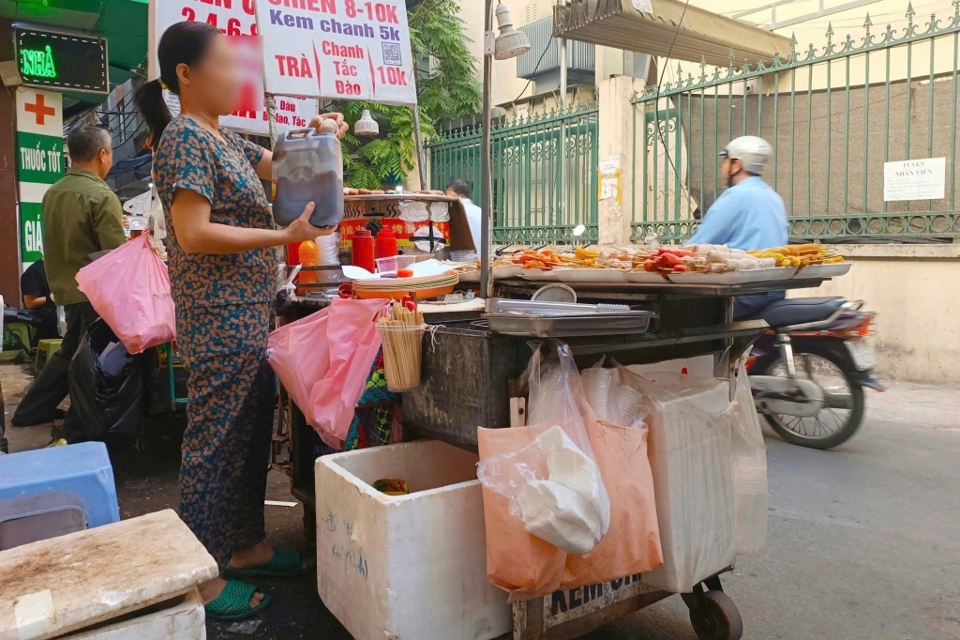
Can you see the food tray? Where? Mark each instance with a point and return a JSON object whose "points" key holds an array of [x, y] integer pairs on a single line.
{"points": [[539, 275], [545, 308], [773, 274], [515, 324], [825, 270], [595, 276], [646, 277], [498, 273]]}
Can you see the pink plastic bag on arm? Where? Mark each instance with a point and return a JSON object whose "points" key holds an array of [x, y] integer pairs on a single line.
{"points": [[324, 361], [130, 289]]}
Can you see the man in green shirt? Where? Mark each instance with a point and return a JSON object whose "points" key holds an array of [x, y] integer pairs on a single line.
{"points": [[81, 216]]}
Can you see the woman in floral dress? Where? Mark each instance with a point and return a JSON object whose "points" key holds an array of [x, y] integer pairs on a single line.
{"points": [[222, 272]]}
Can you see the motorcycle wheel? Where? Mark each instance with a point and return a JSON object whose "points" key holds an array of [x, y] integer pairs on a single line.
{"points": [[835, 424]]}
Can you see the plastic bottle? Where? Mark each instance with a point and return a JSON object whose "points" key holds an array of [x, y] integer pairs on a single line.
{"points": [[386, 244], [363, 250], [309, 253], [308, 167], [293, 254]]}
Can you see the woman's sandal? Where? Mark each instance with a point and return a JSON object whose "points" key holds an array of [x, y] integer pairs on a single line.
{"points": [[233, 603], [283, 564]]}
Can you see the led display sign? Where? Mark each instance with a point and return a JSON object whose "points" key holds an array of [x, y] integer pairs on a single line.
{"points": [[62, 61]]}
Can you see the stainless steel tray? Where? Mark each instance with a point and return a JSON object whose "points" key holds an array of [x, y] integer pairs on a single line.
{"points": [[540, 326], [543, 308]]}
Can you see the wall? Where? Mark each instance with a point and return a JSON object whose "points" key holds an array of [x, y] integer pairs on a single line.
{"points": [[913, 290], [9, 223]]}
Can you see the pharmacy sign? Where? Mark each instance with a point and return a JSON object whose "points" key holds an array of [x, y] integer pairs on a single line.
{"points": [[40, 163]]}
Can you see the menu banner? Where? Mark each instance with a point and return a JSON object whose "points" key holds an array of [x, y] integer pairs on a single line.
{"points": [[236, 19], [338, 50]]}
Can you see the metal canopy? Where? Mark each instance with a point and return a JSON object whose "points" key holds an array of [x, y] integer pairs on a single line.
{"points": [[672, 30]]}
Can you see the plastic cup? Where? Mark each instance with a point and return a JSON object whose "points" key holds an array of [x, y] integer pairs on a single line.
{"points": [[392, 264]]}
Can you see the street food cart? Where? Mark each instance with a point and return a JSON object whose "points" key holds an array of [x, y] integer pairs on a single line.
{"points": [[470, 373]]}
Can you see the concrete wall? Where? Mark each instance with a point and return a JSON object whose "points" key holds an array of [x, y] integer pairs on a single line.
{"points": [[913, 289]]}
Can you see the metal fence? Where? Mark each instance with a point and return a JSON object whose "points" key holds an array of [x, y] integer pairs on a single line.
{"points": [[544, 172], [834, 116]]}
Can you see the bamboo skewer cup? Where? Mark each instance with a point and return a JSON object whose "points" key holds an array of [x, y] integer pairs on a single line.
{"points": [[401, 331]]}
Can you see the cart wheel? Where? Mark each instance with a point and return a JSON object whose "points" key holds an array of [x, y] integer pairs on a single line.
{"points": [[716, 618]]}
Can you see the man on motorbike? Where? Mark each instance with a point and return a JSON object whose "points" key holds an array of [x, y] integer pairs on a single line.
{"points": [[749, 214]]}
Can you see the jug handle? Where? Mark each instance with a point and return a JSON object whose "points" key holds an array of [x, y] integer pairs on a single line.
{"points": [[300, 133]]}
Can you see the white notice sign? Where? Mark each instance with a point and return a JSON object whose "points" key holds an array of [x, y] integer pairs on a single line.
{"points": [[915, 180], [643, 5]]}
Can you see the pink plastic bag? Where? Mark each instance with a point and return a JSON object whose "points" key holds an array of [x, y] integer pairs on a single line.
{"points": [[130, 289], [324, 361]]}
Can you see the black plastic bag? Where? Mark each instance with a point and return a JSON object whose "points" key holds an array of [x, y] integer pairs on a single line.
{"points": [[107, 405]]}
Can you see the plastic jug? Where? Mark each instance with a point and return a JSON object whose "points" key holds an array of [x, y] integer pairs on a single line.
{"points": [[308, 167]]}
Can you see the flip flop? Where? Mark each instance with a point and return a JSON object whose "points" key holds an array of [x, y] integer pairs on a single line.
{"points": [[233, 603], [283, 564]]}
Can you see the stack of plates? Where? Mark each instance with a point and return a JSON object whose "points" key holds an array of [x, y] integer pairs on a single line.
{"points": [[418, 288]]}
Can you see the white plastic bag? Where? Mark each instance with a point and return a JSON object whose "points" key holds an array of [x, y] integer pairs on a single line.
{"points": [[690, 456]]}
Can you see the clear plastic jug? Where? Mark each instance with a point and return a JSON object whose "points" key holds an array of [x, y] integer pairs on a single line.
{"points": [[308, 167]]}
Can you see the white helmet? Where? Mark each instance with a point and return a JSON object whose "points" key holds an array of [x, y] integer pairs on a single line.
{"points": [[753, 152]]}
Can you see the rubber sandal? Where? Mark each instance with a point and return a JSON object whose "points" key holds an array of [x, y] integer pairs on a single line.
{"points": [[233, 603], [283, 564]]}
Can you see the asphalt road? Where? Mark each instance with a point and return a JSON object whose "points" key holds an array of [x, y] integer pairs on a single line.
{"points": [[862, 542]]}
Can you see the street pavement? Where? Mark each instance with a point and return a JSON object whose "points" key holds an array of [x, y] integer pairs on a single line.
{"points": [[862, 542]]}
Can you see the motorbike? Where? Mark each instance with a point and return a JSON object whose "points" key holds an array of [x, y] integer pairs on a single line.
{"points": [[808, 372]]}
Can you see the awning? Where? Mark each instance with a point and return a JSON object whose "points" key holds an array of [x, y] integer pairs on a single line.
{"points": [[701, 34]]}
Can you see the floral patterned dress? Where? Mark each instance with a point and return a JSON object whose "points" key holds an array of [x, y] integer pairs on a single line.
{"points": [[224, 308]]}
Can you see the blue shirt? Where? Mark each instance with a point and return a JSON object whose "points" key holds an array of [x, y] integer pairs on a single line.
{"points": [[748, 216]]}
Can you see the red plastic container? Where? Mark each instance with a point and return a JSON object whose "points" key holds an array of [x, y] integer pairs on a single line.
{"points": [[293, 254], [363, 250], [386, 244]]}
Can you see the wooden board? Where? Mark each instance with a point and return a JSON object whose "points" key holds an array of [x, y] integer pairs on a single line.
{"points": [[56, 586]]}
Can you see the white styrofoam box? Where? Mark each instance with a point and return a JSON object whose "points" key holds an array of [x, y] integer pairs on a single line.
{"points": [[408, 567], [690, 456], [180, 619]]}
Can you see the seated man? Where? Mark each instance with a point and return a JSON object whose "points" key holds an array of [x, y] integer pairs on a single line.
{"points": [[38, 302], [749, 215]]}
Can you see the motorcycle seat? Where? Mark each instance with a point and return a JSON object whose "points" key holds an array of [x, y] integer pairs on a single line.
{"points": [[785, 313]]}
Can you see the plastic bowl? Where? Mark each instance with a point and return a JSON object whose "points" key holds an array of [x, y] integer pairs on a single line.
{"points": [[394, 263]]}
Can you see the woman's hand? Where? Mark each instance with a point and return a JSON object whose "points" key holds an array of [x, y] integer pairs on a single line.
{"points": [[337, 118], [301, 229]]}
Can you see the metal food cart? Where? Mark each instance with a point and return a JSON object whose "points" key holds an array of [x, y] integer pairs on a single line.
{"points": [[453, 399]]}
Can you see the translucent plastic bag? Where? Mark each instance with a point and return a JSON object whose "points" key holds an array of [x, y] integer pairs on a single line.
{"points": [[130, 289], [611, 399], [553, 484], [751, 496], [324, 360], [565, 447]]}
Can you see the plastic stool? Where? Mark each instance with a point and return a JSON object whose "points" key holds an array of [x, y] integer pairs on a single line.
{"points": [[52, 492], [45, 351], [16, 341]]}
